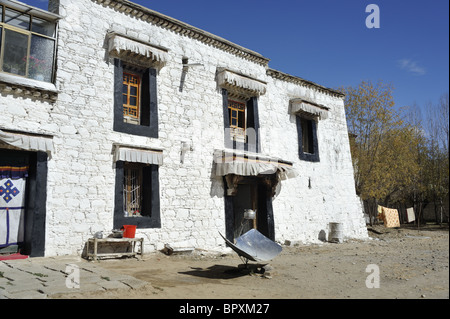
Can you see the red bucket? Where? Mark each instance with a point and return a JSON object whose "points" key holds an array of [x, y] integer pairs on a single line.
{"points": [[129, 231]]}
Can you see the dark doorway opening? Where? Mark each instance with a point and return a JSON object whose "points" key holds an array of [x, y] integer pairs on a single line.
{"points": [[251, 193], [245, 199]]}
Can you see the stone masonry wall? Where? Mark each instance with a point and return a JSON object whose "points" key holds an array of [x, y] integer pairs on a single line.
{"points": [[81, 172], [324, 191]]}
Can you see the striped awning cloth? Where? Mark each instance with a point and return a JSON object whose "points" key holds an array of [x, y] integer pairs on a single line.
{"points": [[29, 142], [303, 106], [251, 164], [135, 50], [138, 155], [238, 81]]}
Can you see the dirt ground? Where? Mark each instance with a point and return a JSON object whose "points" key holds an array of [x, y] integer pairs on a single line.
{"points": [[412, 264]]}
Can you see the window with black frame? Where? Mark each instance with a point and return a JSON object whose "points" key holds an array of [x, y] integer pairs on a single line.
{"points": [[307, 138], [135, 99], [241, 122], [27, 44], [137, 195]]}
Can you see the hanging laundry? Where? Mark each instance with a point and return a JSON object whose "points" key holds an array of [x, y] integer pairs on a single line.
{"points": [[390, 217], [380, 210], [410, 216]]}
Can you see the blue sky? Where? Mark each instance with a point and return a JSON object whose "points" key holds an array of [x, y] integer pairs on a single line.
{"points": [[327, 41]]}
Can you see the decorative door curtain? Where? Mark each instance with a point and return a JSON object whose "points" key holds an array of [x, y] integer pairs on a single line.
{"points": [[12, 204]]}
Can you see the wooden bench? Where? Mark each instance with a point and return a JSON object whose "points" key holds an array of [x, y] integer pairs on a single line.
{"points": [[132, 241]]}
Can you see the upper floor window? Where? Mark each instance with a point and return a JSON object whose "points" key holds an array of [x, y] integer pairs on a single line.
{"points": [[237, 114], [307, 135], [131, 97], [240, 109], [307, 139], [308, 114], [136, 65], [27, 43], [135, 100]]}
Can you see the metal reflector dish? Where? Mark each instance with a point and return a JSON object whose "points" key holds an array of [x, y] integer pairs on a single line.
{"points": [[255, 246]]}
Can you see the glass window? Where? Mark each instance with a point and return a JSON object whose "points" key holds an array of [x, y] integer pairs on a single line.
{"points": [[17, 19], [236, 111], [135, 100], [43, 27], [15, 53], [40, 61], [130, 91], [27, 50]]}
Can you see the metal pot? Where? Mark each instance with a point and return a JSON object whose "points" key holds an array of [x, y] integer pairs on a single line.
{"points": [[98, 235], [116, 233], [249, 214]]}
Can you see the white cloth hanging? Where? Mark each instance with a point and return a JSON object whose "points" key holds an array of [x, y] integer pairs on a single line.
{"points": [[12, 211]]}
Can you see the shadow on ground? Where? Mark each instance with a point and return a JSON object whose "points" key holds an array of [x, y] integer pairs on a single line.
{"points": [[224, 271]]}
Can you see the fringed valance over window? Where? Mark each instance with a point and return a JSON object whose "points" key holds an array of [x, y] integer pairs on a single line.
{"points": [[228, 162], [136, 51], [235, 166], [138, 155], [299, 106], [27, 142], [235, 81]]}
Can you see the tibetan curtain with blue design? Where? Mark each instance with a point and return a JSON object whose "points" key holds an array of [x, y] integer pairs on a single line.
{"points": [[12, 203]]}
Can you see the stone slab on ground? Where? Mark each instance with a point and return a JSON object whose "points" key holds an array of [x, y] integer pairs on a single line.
{"points": [[43, 277]]}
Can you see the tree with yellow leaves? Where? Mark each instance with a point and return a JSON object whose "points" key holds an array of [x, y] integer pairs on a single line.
{"points": [[384, 147]]}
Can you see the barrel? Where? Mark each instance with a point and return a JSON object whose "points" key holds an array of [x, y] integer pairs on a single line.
{"points": [[336, 234]]}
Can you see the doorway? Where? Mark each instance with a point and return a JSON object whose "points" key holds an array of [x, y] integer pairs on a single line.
{"points": [[245, 199], [251, 193], [23, 211]]}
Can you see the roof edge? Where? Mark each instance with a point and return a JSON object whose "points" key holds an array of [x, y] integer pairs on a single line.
{"points": [[159, 19], [298, 80]]}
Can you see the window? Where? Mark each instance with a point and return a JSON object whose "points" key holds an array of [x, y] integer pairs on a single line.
{"points": [[137, 195], [307, 136], [241, 123], [307, 139], [240, 94], [132, 190], [237, 111], [27, 45], [135, 100], [131, 100]]}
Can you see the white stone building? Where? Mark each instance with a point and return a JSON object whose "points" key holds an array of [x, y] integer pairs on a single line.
{"points": [[131, 117]]}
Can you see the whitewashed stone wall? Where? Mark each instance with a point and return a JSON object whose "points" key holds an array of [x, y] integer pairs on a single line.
{"points": [[324, 191], [81, 174]]}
